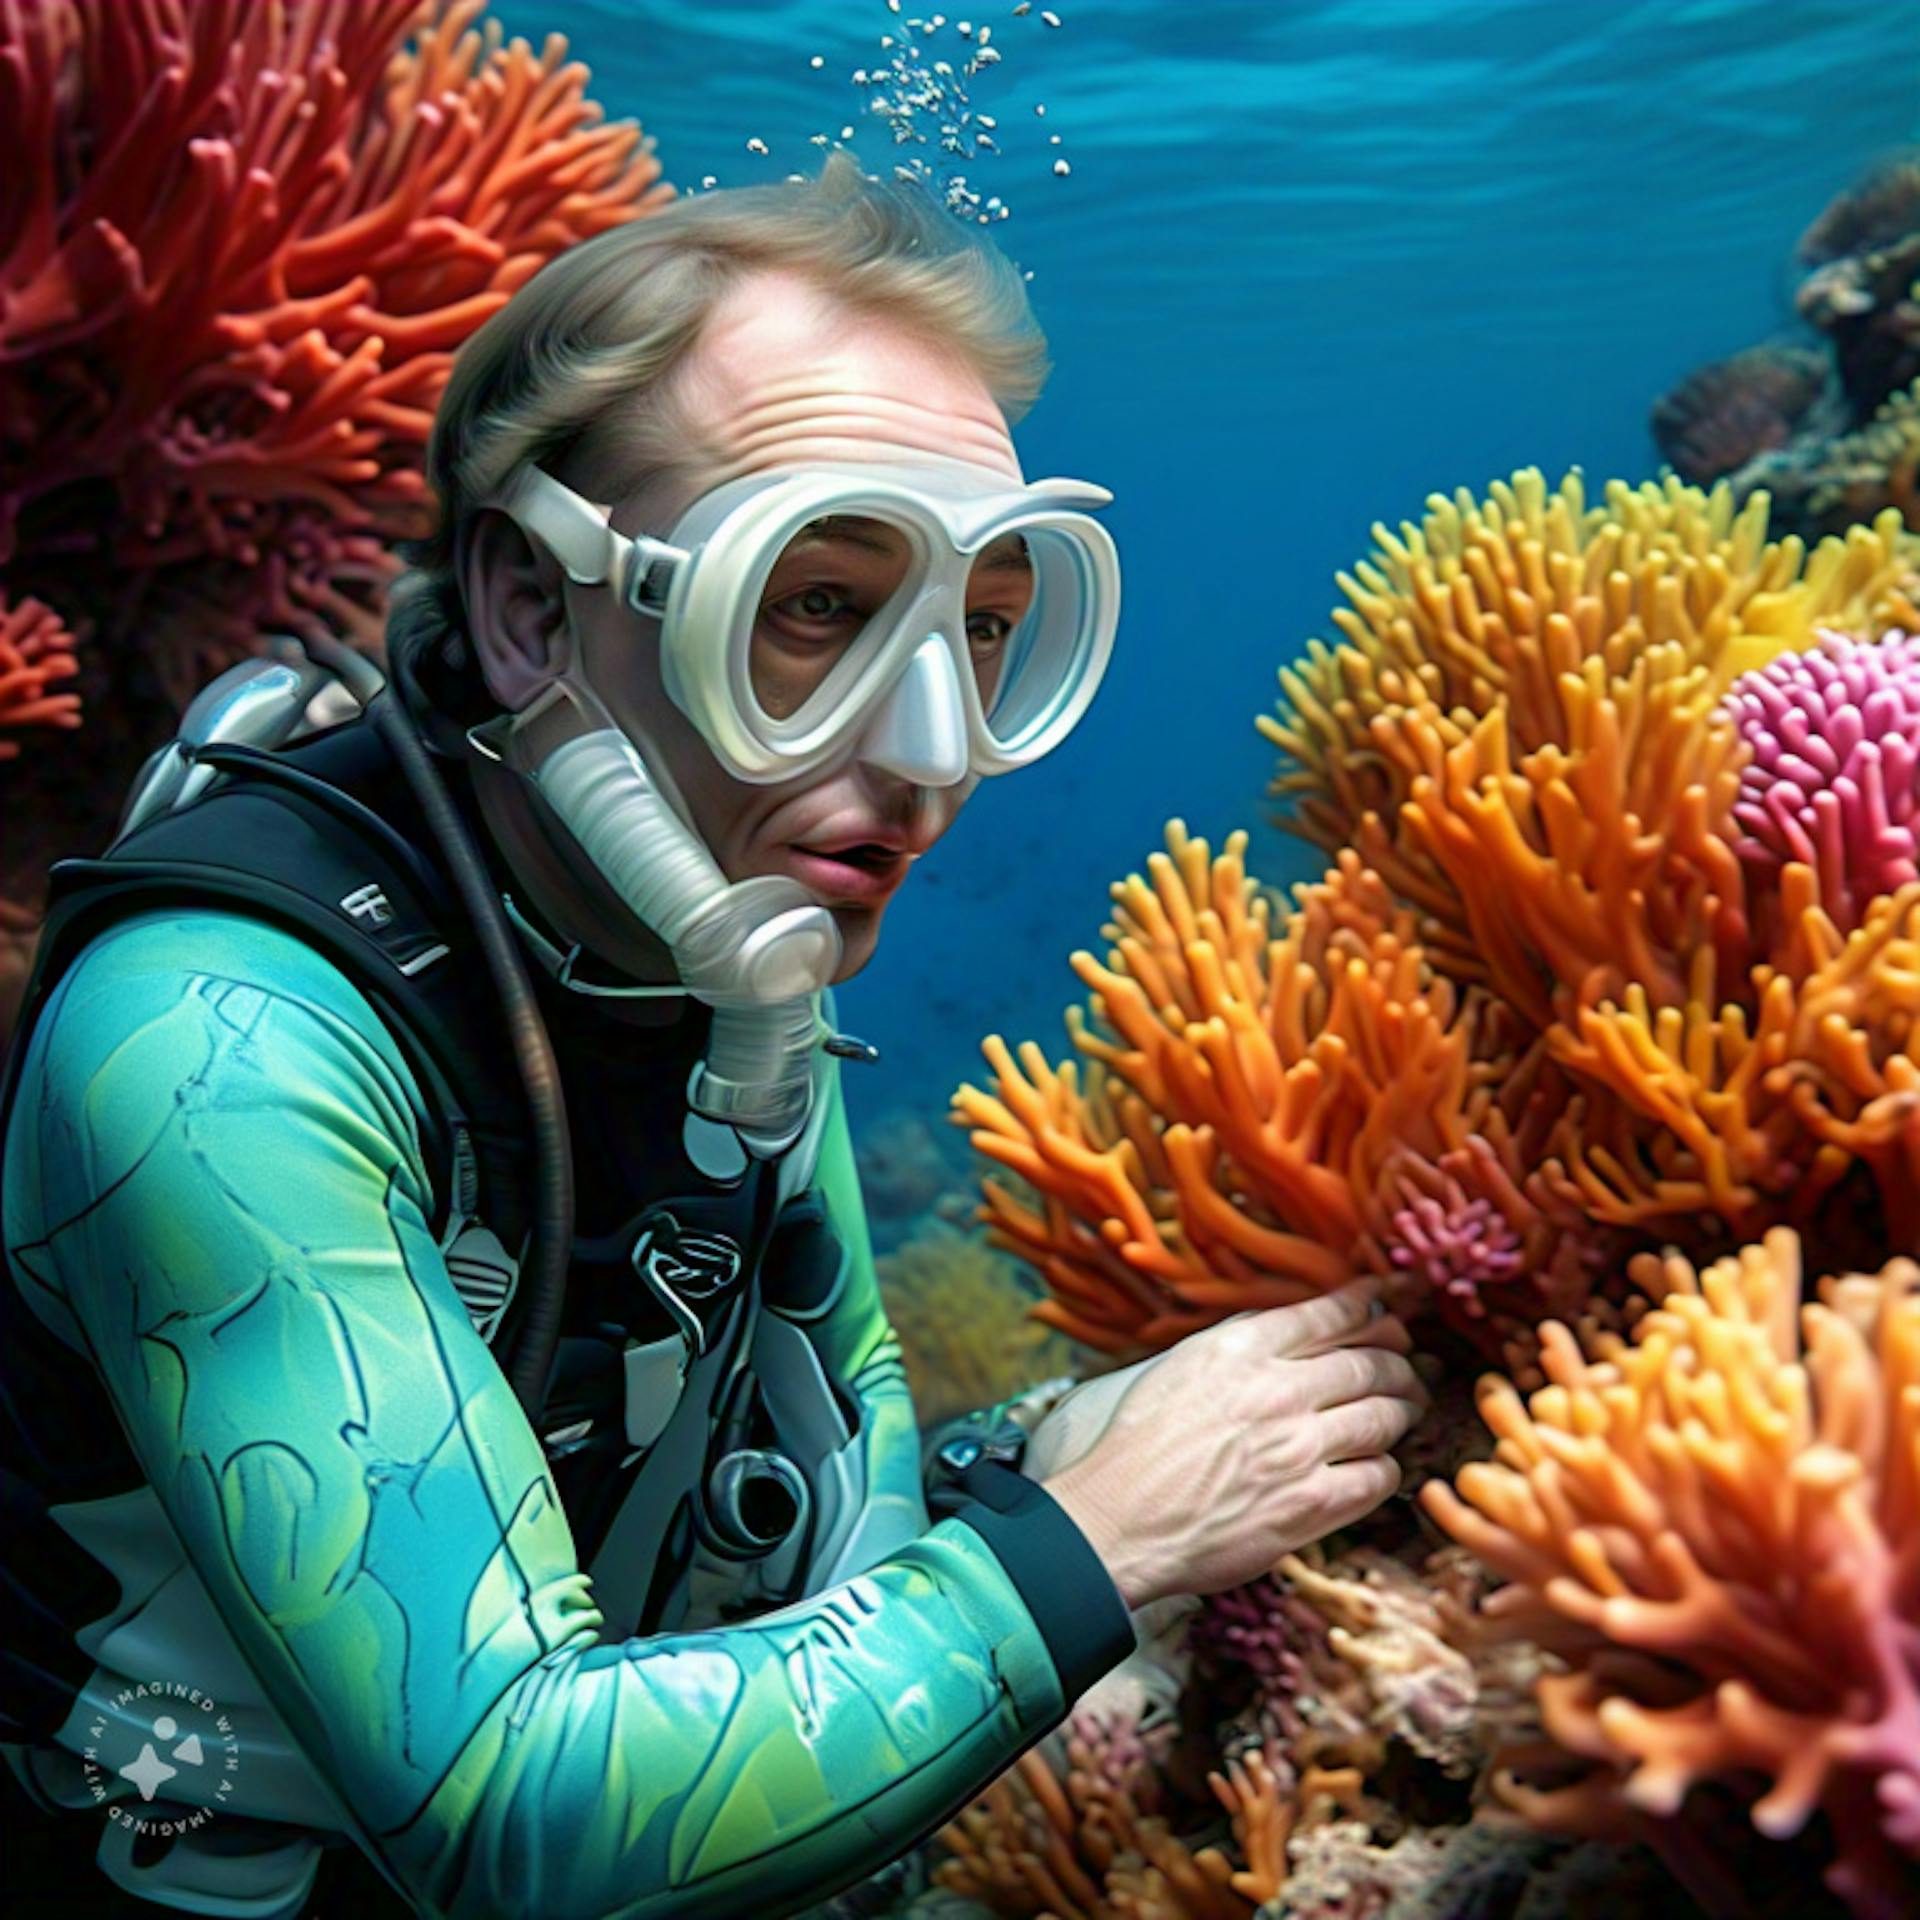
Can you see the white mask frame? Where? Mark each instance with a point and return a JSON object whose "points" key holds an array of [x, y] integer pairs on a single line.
{"points": [[706, 579]]}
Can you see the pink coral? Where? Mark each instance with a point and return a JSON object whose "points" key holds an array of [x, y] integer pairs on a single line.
{"points": [[1247, 1628], [1834, 781], [1454, 1243]]}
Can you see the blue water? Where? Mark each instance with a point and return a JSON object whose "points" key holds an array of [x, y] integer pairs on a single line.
{"points": [[1314, 260]]}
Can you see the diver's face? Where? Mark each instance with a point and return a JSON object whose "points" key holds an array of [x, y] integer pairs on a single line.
{"points": [[781, 378]]}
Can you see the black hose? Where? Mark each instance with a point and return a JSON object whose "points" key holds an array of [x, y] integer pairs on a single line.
{"points": [[545, 1277]]}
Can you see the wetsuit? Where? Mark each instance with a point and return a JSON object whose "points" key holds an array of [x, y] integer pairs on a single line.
{"points": [[259, 1449]]}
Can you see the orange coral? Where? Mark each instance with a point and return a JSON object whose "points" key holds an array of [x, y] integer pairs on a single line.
{"points": [[1090, 1843], [1255, 1081], [35, 649], [1265, 1109], [1761, 1116], [1716, 1525]]}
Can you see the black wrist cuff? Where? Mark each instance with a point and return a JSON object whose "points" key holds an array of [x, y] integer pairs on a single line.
{"points": [[1063, 1583]]}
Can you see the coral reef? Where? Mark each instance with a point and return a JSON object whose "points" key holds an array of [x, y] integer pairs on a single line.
{"points": [[964, 1314], [1519, 673], [1715, 1528], [1370, 1676], [1263, 1107], [1615, 965], [1073, 1830], [240, 247], [1830, 433]]}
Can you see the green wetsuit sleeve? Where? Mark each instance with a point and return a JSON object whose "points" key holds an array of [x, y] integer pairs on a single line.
{"points": [[215, 1171]]}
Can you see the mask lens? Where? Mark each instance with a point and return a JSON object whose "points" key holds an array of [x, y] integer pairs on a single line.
{"points": [[820, 602], [1029, 628]]}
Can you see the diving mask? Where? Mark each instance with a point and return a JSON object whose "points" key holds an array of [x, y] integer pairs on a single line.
{"points": [[935, 617]]}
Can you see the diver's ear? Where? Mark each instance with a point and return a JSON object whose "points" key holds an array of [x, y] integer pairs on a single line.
{"points": [[516, 607]]}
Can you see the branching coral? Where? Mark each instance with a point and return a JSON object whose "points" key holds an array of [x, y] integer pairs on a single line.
{"points": [[246, 243], [1272, 1104], [967, 1335], [1250, 1087], [1519, 731], [1075, 1844], [1384, 1622], [1716, 1526], [1763, 1115], [36, 651]]}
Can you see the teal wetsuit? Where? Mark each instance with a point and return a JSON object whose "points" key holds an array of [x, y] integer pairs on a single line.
{"points": [[215, 1189]]}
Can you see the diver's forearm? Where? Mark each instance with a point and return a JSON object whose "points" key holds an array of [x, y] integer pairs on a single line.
{"points": [[754, 1769]]}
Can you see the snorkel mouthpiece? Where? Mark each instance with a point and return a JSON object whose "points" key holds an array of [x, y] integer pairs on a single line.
{"points": [[754, 950]]}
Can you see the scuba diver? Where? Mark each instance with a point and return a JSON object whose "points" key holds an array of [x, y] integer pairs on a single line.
{"points": [[453, 1437]]}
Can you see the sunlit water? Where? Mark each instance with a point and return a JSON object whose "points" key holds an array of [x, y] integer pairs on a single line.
{"points": [[1311, 261]]}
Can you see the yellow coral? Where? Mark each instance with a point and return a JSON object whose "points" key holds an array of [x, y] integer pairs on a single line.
{"points": [[1758, 1116], [965, 1323], [1716, 1524], [1538, 677]]}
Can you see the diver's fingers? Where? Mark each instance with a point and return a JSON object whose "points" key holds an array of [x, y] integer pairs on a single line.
{"points": [[1357, 1429], [1309, 1324], [1387, 1331], [1356, 1487], [1354, 1373]]}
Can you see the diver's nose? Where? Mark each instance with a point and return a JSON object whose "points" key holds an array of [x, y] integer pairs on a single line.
{"points": [[919, 731]]}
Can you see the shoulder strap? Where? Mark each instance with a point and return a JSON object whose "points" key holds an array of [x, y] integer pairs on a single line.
{"points": [[315, 838]]}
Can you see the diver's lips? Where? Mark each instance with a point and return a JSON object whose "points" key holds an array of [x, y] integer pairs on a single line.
{"points": [[865, 873]]}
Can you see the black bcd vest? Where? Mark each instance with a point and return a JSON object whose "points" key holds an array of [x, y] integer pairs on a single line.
{"points": [[325, 838]]}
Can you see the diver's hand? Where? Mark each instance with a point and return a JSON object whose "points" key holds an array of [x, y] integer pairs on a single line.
{"points": [[1245, 1442]]}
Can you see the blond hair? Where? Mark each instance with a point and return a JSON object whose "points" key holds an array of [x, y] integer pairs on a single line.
{"points": [[609, 321]]}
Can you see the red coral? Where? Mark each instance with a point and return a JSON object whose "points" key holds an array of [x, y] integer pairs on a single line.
{"points": [[244, 245]]}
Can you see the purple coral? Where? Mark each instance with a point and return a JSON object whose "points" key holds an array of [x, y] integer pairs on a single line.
{"points": [[1834, 781], [1247, 1627]]}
